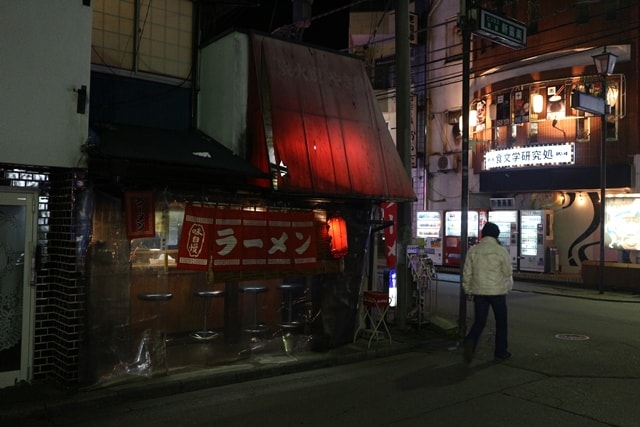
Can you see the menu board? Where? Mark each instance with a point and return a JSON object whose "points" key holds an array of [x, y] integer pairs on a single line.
{"points": [[429, 224]]}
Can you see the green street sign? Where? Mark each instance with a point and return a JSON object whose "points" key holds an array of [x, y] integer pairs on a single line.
{"points": [[505, 31]]}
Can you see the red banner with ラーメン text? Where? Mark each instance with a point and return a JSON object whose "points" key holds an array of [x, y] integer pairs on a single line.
{"points": [[251, 240], [234, 239]]}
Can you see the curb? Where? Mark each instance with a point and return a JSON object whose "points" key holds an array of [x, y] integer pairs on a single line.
{"points": [[193, 381]]}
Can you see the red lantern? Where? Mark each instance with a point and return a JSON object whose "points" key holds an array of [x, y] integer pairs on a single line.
{"points": [[338, 233]]}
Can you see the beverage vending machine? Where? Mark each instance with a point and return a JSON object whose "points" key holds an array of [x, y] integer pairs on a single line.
{"points": [[507, 222], [536, 236], [429, 226], [453, 235]]}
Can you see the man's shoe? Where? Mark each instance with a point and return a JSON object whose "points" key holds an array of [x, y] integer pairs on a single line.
{"points": [[468, 352], [503, 357]]}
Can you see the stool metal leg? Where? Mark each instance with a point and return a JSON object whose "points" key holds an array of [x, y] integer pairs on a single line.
{"points": [[205, 334]]}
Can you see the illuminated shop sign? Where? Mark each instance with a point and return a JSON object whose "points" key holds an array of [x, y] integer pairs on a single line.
{"points": [[505, 31], [530, 155], [622, 221]]}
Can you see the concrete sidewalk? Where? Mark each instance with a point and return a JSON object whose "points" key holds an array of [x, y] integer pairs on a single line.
{"points": [[31, 399]]}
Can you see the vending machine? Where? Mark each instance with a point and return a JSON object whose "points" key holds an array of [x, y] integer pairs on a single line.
{"points": [[429, 226], [507, 222], [536, 236], [453, 235]]}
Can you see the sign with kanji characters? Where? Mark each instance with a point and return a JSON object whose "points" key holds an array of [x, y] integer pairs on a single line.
{"points": [[193, 251], [505, 31], [390, 213], [249, 240], [531, 155], [140, 214]]}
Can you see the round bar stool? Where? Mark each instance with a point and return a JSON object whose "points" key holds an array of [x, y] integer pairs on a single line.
{"points": [[158, 297], [256, 327], [150, 357], [206, 334], [155, 297], [287, 300]]}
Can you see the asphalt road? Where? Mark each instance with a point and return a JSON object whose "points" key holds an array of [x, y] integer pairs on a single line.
{"points": [[576, 362]]}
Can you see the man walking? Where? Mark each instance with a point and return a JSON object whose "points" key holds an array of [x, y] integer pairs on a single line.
{"points": [[487, 277]]}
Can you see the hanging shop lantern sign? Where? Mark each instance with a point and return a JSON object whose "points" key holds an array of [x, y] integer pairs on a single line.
{"points": [[337, 227], [140, 214]]}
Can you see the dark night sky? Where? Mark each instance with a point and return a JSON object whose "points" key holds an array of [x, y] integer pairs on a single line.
{"points": [[329, 31]]}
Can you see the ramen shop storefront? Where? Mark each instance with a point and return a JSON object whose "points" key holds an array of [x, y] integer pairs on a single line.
{"points": [[193, 265]]}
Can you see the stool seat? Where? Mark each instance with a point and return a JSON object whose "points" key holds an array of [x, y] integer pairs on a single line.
{"points": [[289, 286], [208, 294], [155, 297], [253, 289], [290, 325]]}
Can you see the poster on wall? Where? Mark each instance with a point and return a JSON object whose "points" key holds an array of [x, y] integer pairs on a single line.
{"points": [[521, 106], [556, 103], [481, 115], [503, 110]]}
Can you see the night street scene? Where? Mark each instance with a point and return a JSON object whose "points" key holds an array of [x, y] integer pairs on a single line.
{"points": [[380, 213]]}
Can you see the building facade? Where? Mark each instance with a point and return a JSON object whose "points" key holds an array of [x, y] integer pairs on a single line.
{"points": [[507, 124]]}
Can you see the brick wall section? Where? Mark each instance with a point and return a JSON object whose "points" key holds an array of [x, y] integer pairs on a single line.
{"points": [[60, 291]]}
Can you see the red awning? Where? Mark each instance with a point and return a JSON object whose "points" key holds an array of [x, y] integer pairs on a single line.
{"points": [[315, 124]]}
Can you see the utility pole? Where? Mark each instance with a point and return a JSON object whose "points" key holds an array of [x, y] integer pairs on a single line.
{"points": [[463, 22], [403, 141]]}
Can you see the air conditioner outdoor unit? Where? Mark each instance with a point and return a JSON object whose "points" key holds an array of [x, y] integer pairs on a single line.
{"points": [[443, 162]]}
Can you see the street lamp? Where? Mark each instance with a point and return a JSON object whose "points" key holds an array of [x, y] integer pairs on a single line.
{"points": [[604, 62]]}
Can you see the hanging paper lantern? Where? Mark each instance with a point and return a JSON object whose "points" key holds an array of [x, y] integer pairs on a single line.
{"points": [[338, 233]]}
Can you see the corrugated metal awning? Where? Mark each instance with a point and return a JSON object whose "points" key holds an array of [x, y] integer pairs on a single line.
{"points": [[314, 123]]}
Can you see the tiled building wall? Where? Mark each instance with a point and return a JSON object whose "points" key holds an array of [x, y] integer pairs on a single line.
{"points": [[61, 295], [60, 290]]}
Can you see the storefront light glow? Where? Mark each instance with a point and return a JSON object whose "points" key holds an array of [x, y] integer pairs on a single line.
{"points": [[622, 225], [538, 103], [337, 228]]}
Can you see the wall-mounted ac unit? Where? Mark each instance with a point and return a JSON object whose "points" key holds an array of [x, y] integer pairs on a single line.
{"points": [[443, 162]]}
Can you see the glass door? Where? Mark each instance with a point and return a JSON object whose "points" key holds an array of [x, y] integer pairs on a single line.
{"points": [[17, 292]]}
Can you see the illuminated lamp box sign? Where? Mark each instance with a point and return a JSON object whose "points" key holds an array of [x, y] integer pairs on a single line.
{"points": [[622, 223], [531, 155]]}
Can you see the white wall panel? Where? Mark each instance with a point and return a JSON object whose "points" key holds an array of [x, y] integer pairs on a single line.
{"points": [[45, 54]]}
